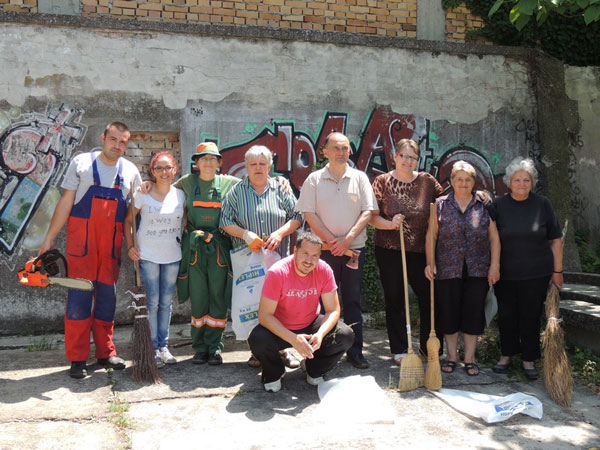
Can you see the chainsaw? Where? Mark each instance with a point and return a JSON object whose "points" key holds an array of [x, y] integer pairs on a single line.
{"points": [[42, 271]]}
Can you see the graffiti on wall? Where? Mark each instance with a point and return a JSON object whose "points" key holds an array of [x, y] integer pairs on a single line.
{"points": [[297, 150], [35, 149]]}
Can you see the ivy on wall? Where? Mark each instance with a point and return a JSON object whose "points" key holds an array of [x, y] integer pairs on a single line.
{"points": [[566, 38], [372, 292]]}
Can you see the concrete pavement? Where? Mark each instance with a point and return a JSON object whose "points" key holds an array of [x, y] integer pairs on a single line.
{"points": [[225, 407]]}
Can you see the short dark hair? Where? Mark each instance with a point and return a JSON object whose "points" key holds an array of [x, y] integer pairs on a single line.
{"points": [[118, 125], [308, 236]]}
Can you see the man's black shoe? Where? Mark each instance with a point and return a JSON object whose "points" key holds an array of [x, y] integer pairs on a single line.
{"points": [[358, 361], [113, 362], [214, 359], [200, 358], [78, 369]]}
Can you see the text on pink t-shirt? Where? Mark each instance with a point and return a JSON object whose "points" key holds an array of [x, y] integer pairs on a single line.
{"points": [[297, 297]]}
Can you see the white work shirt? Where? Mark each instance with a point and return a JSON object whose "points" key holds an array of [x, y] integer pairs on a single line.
{"points": [[338, 204]]}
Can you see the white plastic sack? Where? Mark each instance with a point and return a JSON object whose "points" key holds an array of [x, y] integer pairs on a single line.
{"points": [[340, 397], [249, 271], [491, 408], [491, 305]]}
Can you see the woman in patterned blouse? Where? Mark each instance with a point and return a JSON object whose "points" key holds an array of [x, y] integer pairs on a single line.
{"points": [[467, 263], [403, 195]]}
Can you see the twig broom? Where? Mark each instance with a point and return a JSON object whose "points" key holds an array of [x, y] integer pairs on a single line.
{"points": [[144, 364], [557, 370], [433, 374], [411, 367]]}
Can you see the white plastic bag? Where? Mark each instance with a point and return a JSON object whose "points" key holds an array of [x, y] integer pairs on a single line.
{"points": [[340, 397], [491, 305], [249, 271], [491, 408]]}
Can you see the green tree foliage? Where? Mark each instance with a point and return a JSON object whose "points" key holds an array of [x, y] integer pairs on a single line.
{"points": [[590, 257], [522, 11], [562, 35]]}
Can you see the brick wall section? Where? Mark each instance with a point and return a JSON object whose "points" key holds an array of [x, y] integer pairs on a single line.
{"points": [[18, 5], [460, 20], [382, 17], [143, 145]]}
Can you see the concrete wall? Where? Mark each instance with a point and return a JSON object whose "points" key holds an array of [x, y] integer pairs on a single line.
{"points": [[583, 86], [237, 87]]}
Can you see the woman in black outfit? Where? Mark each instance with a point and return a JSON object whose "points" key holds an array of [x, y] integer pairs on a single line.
{"points": [[531, 257]]}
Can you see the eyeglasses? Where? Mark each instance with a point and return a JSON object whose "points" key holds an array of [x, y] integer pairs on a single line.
{"points": [[209, 159], [407, 157], [163, 169]]}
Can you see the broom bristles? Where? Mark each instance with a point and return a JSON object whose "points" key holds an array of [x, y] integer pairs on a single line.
{"points": [[411, 372], [144, 364], [553, 302], [557, 369], [433, 373]]}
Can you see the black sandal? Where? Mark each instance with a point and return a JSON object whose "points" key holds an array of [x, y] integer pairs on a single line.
{"points": [[501, 368], [451, 365], [471, 367], [531, 374]]}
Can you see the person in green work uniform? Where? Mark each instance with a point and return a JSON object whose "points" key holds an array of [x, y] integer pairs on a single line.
{"points": [[205, 270]]}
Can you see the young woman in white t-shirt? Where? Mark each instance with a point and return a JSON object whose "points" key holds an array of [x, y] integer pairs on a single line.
{"points": [[159, 238]]}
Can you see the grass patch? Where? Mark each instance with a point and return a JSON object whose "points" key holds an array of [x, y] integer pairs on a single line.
{"points": [[118, 409], [488, 345], [585, 365], [41, 344], [392, 382], [377, 320]]}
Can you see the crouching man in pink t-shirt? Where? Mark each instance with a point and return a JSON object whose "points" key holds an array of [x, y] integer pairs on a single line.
{"points": [[290, 314]]}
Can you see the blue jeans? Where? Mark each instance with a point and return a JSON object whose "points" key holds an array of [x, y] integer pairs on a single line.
{"points": [[159, 281]]}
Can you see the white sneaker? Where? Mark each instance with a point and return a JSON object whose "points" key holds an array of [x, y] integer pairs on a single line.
{"points": [[159, 362], [398, 357], [274, 386], [310, 380], [314, 381], [166, 357]]}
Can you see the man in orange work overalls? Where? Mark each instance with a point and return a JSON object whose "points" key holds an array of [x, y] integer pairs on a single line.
{"points": [[93, 205]]}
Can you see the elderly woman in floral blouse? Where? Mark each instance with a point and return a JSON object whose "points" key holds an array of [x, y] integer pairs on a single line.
{"points": [[467, 262]]}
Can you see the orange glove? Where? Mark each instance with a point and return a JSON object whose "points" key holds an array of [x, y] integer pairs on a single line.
{"points": [[254, 242]]}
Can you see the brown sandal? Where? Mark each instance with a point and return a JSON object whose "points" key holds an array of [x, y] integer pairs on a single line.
{"points": [[472, 369], [253, 362], [450, 365]]}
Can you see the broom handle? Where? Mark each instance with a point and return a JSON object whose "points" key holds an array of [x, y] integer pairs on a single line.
{"points": [[136, 264], [406, 307], [432, 218]]}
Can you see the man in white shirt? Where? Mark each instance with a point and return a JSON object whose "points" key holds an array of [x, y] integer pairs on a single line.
{"points": [[93, 206], [337, 202]]}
